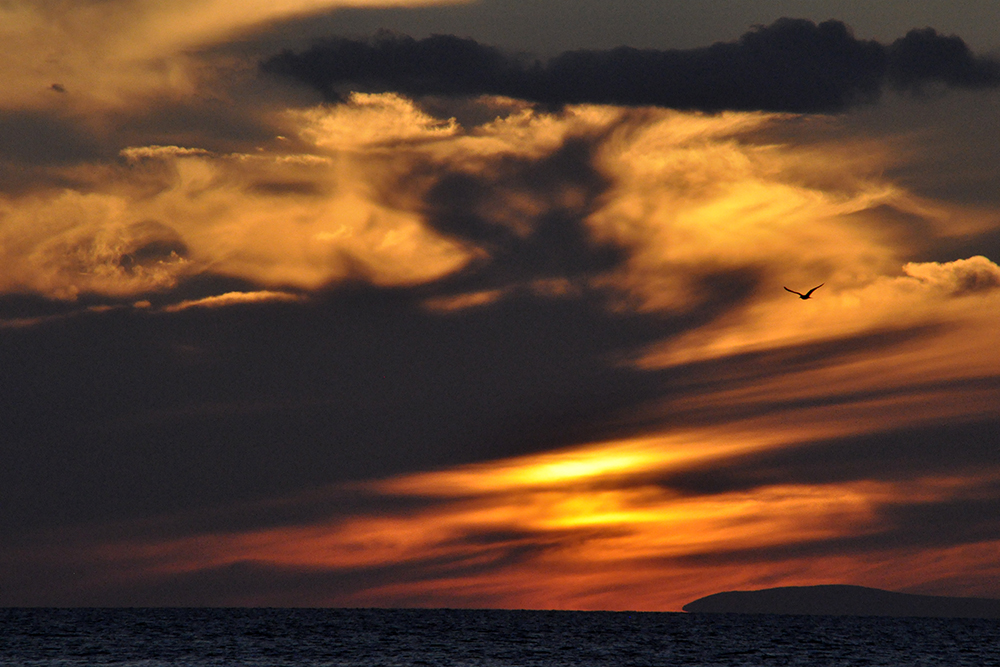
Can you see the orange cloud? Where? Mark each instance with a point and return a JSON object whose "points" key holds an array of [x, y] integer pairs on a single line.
{"points": [[108, 53], [581, 529], [231, 298], [169, 212], [888, 346], [347, 196]]}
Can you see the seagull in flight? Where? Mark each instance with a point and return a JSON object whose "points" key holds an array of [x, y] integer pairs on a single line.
{"points": [[807, 294]]}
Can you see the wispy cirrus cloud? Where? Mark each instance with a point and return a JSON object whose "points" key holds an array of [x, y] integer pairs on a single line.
{"points": [[93, 55], [651, 203]]}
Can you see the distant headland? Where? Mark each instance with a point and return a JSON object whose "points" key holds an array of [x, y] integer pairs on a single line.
{"points": [[842, 600]]}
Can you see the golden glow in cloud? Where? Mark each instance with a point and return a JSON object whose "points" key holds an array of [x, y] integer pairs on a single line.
{"points": [[593, 526], [690, 192], [345, 197], [281, 220], [594, 531], [109, 51], [229, 299]]}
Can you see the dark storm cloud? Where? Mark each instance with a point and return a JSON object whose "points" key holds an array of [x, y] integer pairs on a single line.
{"points": [[126, 414], [122, 414], [923, 57], [463, 206], [792, 65]]}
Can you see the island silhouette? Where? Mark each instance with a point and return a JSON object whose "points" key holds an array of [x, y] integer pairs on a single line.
{"points": [[842, 600]]}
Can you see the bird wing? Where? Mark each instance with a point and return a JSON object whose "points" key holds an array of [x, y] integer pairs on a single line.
{"points": [[814, 289], [792, 291]]}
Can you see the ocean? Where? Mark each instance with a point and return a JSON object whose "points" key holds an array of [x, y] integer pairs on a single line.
{"points": [[453, 637]]}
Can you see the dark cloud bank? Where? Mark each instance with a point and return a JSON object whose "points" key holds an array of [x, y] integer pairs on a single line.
{"points": [[792, 65], [209, 415]]}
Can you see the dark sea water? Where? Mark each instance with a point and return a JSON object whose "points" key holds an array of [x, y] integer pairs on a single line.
{"points": [[440, 637]]}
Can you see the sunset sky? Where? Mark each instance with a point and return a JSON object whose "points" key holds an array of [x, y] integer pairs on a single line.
{"points": [[482, 304]]}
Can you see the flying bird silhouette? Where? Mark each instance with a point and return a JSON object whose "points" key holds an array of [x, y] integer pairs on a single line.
{"points": [[807, 294]]}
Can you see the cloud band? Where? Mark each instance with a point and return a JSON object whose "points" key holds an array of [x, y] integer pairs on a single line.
{"points": [[793, 65]]}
